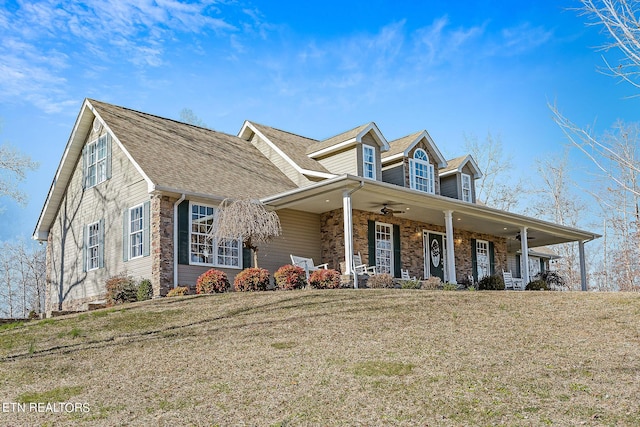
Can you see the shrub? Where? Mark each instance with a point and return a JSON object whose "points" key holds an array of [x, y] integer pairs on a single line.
{"points": [[381, 281], [491, 283], [145, 290], [212, 281], [120, 289], [410, 284], [178, 291], [553, 279], [431, 283], [449, 287], [290, 277], [252, 279], [537, 285], [325, 279]]}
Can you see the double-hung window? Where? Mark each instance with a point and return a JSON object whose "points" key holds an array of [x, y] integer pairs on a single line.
{"points": [[93, 246], [421, 172], [136, 231], [203, 248], [466, 187], [384, 248], [368, 161], [96, 161]]}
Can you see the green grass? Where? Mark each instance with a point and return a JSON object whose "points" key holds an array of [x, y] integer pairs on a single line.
{"points": [[343, 357]]}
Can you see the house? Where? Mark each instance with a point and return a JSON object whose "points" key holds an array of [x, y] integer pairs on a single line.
{"points": [[136, 193]]}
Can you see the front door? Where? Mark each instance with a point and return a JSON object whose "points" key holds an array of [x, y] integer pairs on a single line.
{"points": [[434, 255]]}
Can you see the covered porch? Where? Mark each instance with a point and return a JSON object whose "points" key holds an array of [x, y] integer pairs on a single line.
{"points": [[418, 231]]}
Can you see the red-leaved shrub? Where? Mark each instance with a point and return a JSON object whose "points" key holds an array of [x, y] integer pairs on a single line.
{"points": [[252, 279], [290, 277], [212, 281], [325, 279]]}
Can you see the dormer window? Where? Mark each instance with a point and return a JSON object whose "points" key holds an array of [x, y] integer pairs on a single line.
{"points": [[368, 161], [422, 172], [466, 187]]}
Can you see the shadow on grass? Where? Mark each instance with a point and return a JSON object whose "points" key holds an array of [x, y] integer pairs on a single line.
{"points": [[298, 301]]}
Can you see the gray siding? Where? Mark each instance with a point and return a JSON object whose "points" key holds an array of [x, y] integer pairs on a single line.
{"points": [[449, 186], [342, 162], [300, 236], [106, 201], [394, 175]]}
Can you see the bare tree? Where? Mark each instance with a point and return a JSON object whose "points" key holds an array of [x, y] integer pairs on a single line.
{"points": [[188, 116], [13, 169], [494, 188], [22, 269], [248, 220], [555, 201]]}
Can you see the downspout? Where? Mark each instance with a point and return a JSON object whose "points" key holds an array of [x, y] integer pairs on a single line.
{"points": [[347, 216], [175, 240]]}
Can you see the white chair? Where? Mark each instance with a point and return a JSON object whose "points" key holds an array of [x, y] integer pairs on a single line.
{"points": [[509, 282], [307, 264], [404, 275], [360, 268]]}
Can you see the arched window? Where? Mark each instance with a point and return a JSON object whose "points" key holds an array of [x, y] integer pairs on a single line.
{"points": [[421, 172]]}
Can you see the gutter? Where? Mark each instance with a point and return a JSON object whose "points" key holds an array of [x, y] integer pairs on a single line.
{"points": [[175, 239]]}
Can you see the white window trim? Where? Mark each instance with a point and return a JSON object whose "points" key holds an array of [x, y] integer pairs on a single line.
{"points": [[391, 258], [141, 231], [468, 179], [431, 185], [214, 245], [485, 242], [97, 246], [374, 164], [104, 161]]}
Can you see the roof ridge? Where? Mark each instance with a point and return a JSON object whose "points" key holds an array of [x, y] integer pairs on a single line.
{"points": [[284, 131]]}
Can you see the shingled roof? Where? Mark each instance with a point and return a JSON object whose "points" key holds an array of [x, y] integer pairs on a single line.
{"points": [[191, 159]]}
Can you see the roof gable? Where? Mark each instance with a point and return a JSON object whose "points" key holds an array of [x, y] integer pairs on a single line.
{"points": [[171, 156], [402, 146], [457, 165], [348, 138]]}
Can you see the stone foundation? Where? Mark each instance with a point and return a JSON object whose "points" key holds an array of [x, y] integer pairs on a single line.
{"points": [[411, 242]]}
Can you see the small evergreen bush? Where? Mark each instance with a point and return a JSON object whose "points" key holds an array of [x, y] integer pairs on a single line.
{"points": [[145, 290], [325, 279], [178, 291], [410, 284], [121, 288], [290, 277], [491, 283], [252, 279], [537, 285], [449, 287], [554, 280], [212, 281], [378, 281]]}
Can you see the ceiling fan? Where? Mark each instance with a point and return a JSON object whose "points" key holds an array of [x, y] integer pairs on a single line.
{"points": [[387, 211]]}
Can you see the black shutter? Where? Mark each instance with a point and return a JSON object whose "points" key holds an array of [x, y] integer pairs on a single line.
{"points": [[183, 232], [518, 269], [474, 261], [397, 262], [372, 242], [542, 269], [247, 259], [492, 259], [146, 229]]}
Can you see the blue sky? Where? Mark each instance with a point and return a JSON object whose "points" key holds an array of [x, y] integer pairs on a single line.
{"points": [[316, 68]]}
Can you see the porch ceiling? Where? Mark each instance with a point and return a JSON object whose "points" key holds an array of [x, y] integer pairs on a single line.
{"points": [[369, 195]]}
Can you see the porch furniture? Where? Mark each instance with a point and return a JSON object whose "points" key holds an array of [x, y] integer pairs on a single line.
{"points": [[510, 283], [404, 275], [360, 268], [307, 264]]}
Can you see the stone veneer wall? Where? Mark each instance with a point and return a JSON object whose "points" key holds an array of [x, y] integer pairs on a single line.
{"points": [[411, 244], [162, 244]]}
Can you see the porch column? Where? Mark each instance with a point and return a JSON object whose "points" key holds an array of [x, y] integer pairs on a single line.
{"points": [[583, 267], [524, 247], [451, 259], [348, 233]]}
